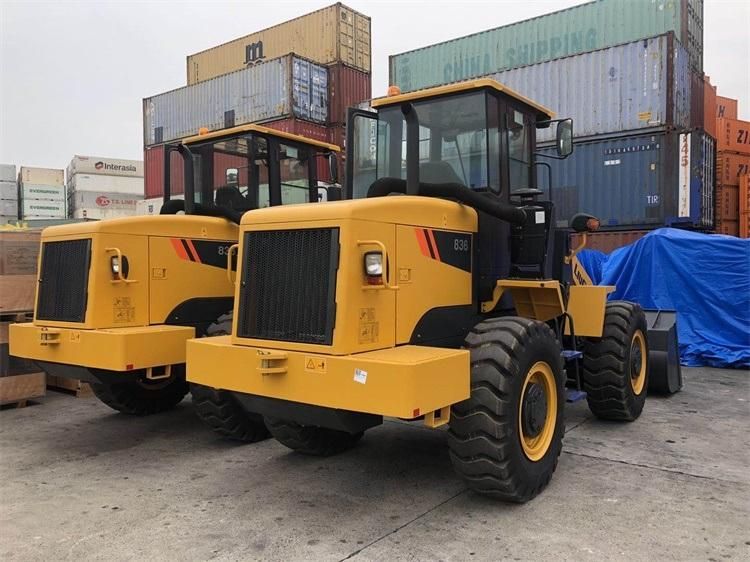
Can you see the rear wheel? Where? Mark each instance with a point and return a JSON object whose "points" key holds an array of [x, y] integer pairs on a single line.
{"points": [[220, 411], [311, 440], [615, 366], [143, 396], [506, 438]]}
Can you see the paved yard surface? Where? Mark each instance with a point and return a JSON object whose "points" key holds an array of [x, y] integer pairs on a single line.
{"points": [[78, 481]]}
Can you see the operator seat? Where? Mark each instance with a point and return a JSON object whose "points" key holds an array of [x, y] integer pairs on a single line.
{"points": [[230, 197]]}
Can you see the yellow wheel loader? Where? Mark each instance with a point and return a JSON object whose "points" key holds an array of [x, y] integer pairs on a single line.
{"points": [[437, 294], [118, 299]]}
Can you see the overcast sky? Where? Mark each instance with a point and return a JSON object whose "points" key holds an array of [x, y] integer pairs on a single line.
{"points": [[73, 74]]}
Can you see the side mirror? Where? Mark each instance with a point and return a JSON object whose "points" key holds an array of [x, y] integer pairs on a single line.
{"points": [[333, 167], [582, 222], [564, 140]]}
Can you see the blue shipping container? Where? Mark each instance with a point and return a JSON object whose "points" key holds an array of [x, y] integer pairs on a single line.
{"points": [[643, 181]]}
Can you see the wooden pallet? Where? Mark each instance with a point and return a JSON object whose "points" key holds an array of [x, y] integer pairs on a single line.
{"points": [[19, 389], [76, 387], [19, 251]]}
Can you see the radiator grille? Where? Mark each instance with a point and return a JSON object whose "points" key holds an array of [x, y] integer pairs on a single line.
{"points": [[288, 286], [63, 281]]}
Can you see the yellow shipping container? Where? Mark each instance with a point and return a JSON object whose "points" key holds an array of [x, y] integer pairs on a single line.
{"points": [[332, 34]]}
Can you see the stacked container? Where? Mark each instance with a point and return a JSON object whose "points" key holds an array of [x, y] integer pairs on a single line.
{"points": [[732, 165], [8, 193], [41, 194], [298, 77], [100, 188]]}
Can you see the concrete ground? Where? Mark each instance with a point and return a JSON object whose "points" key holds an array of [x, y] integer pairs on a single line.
{"points": [[78, 481]]}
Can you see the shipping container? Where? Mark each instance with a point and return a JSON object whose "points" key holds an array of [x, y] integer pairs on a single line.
{"points": [[42, 208], [41, 176], [726, 108], [590, 26], [727, 204], [709, 107], [8, 173], [9, 208], [697, 100], [640, 85], [733, 135], [347, 87], [41, 191], [333, 34], [8, 190], [283, 87], [730, 227], [730, 167], [642, 181], [101, 205], [153, 158], [97, 183], [104, 166], [97, 214], [151, 206], [744, 196], [607, 241]]}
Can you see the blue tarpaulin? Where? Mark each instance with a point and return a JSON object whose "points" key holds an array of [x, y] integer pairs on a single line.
{"points": [[704, 277]]}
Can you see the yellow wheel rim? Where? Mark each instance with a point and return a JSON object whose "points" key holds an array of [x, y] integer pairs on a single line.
{"points": [[539, 383], [638, 362]]}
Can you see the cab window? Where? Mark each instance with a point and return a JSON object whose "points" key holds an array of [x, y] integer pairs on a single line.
{"points": [[519, 133], [295, 174]]}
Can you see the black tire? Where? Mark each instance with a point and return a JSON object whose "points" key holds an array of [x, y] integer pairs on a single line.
{"points": [[143, 397], [312, 440], [485, 436], [220, 411], [609, 361]]}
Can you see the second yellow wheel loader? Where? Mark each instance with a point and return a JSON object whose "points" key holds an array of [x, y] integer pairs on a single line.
{"points": [[117, 299]]}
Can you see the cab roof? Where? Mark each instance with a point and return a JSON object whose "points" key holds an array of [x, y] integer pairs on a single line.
{"points": [[543, 113], [235, 131]]}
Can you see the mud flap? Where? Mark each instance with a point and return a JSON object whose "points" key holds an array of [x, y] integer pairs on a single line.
{"points": [[665, 375]]}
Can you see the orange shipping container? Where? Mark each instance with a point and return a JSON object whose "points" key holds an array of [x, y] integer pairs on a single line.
{"points": [[727, 226], [726, 108], [727, 202], [729, 168], [709, 106], [744, 206], [333, 34], [733, 135]]}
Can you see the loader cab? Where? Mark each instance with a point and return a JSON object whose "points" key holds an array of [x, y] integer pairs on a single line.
{"points": [[479, 135], [232, 171]]}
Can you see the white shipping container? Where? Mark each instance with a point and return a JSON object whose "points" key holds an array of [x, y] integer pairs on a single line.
{"points": [[270, 90], [8, 190], [42, 208], [104, 166], [8, 173], [112, 184], [151, 206], [9, 208], [104, 201], [96, 213], [41, 176], [41, 191]]}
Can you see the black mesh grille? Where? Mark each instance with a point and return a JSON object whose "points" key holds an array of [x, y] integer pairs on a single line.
{"points": [[63, 281], [289, 285]]}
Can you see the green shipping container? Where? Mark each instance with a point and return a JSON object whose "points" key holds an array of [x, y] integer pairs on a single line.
{"points": [[595, 25]]}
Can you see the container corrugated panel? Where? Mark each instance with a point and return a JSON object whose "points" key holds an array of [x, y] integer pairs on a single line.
{"points": [[104, 200], [640, 85], [9, 208], [631, 182], [332, 34], [697, 100], [44, 176], [726, 108], [42, 191], [744, 204], [583, 28], [113, 184], [8, 172], [8, 190], [731, 167], [153, 158], [733, 135], [348, 87], [43, 208], [105, 166], [287, 86], [709, 107]]}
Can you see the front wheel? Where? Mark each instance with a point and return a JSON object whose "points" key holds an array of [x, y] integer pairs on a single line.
{"points": [[615, 366], [220, 411], [142, 397], [506, 438], [311, 440]]}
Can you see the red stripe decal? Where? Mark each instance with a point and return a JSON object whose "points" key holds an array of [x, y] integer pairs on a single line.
{"points": [[422, 242], [434, 244], [193, 251], [179, 248]]}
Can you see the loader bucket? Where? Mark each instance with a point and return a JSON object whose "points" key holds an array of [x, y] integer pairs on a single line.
{"points": [[665, 376]]}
